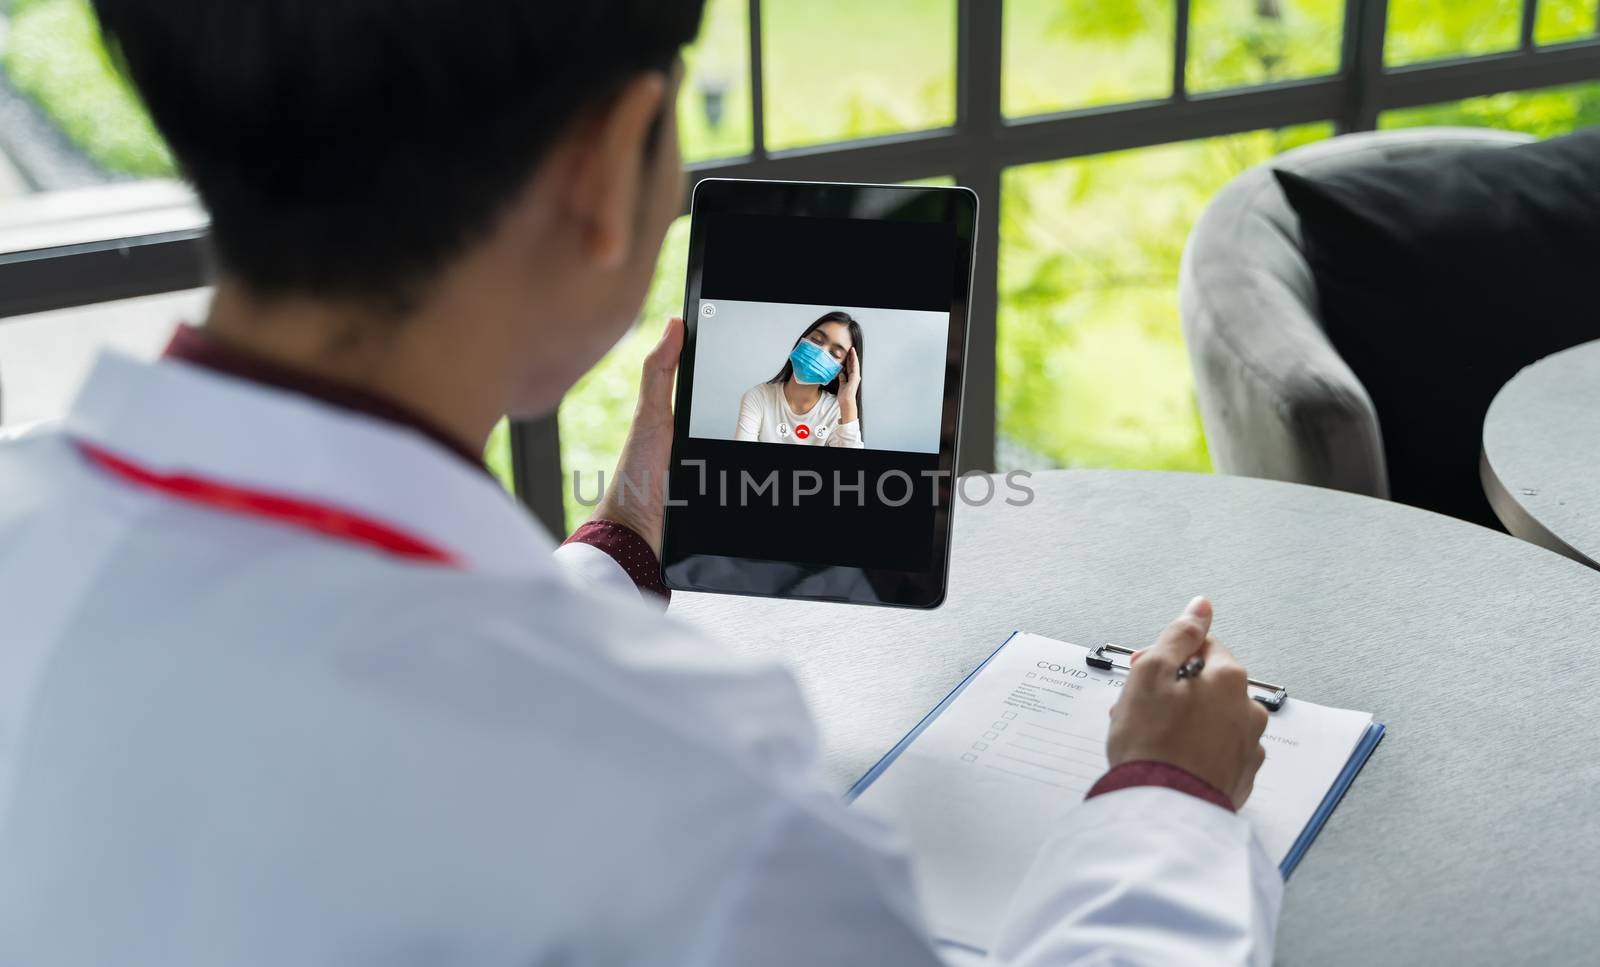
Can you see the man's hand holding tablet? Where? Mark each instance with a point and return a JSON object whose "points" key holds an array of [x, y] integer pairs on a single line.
{"points": [[784, 481], [649, 444]]}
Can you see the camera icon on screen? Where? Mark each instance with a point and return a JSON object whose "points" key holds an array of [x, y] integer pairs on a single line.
{"points": [[708, 310]]}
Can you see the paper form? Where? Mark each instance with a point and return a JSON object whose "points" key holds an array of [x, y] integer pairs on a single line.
{"points": [[985, 783]]}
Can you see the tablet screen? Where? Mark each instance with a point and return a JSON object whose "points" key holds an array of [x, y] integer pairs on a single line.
{"points": [[772, 372], [819, 391]]}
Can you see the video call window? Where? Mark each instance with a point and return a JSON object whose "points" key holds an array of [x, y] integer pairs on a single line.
{"points": [[802, 375]]}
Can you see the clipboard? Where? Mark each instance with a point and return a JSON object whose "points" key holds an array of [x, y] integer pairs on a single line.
{"points": [[1335, 792]]}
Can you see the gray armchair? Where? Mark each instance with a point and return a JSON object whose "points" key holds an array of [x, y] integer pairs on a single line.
{"points": [[1275, 398]]}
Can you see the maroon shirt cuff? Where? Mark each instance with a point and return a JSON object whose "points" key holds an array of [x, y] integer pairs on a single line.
{"points": [[629, 550], [1150, 773]]}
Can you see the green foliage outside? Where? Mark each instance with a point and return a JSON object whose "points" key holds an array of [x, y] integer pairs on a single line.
{"points": [[1430, 29], [842, 69], [1545, 113], [1238, 42], [54, 54], [1060, 56], [1561, 21], [719, 63], [1092, 367], [497, 455]]}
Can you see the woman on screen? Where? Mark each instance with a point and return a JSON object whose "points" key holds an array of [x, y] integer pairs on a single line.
{"points": [[815, 399]]}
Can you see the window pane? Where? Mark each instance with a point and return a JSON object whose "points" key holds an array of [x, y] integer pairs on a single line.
{"points": [[1061, 55], [840, 69], [1432, 29], [714, 104], [45, 356], [1545, 113], [1092, 366], [1559, 21], [69, 119], [1235, 43]]}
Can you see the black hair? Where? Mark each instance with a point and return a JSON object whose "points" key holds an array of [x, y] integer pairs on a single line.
{"points": [[352, 148], [856, 341]]}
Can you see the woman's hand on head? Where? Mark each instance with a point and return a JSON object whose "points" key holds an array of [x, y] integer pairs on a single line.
{"points": [[643, 465], [850, 375]]}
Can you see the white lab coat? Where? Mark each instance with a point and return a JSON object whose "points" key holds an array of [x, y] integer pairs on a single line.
{"points": [[225, 740]]}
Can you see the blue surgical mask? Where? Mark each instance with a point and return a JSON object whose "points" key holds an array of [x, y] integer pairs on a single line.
{"points": [[812, 364]]}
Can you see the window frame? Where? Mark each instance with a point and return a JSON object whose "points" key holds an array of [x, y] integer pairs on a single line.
{"points": [[144, 240]]}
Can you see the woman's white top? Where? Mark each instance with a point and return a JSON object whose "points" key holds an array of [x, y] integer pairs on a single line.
{"points": [[765, 417], [228, 741]]}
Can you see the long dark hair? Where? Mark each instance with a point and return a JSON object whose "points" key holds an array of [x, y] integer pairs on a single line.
{"points": [[833, 387]]}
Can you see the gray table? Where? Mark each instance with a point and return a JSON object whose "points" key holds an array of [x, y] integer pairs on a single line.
{"points": [[1473, 835], [1541, 454]]}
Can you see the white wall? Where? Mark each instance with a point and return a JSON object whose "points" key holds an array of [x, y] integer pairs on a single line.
{"points": [[902, 374]]}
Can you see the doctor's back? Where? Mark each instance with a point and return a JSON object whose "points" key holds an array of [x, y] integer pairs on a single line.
{"points": [[228, 741], [287, 677]]}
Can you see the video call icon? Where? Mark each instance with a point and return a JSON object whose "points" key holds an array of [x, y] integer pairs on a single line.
{"points": [[708, 310]]}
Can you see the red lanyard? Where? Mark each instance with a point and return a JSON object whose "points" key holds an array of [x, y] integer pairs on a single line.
{"points": [[330, 521]]}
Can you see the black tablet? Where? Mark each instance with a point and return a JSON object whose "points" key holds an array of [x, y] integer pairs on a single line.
{"points": [[819, 391]]}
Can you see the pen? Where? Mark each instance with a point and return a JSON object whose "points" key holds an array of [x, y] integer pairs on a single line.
{"points": [[1101, 658]]}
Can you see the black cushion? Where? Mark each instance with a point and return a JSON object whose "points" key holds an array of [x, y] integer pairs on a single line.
{"points": [[1440, 278]]}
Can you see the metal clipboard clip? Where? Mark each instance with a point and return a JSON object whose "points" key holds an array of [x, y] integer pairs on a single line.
{"points": [[1272, 696]]}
